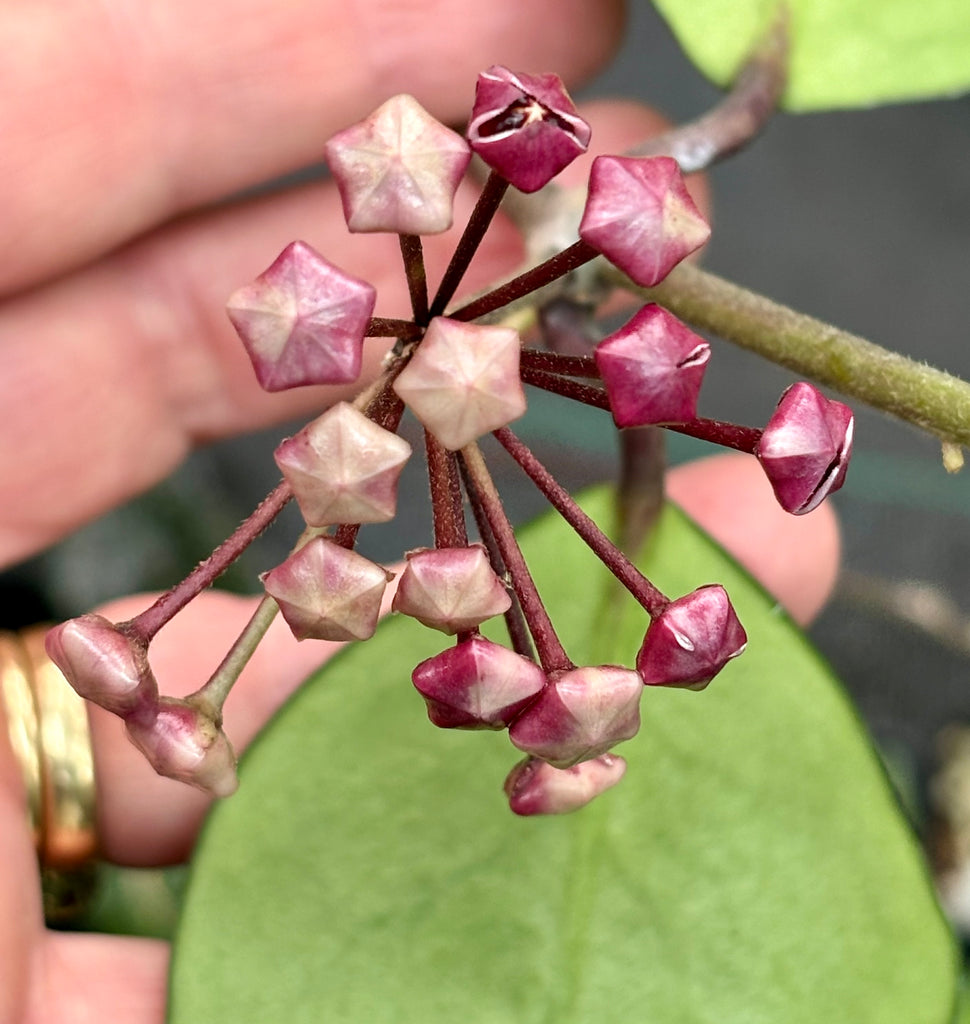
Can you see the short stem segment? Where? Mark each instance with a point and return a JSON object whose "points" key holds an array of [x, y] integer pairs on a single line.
{"points": [[387, 327], [413, 256], [449, 516]]}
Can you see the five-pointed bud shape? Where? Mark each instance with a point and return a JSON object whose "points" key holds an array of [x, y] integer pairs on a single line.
{"points": [[653, 368], [535, 787], [102, 663], [463, 381], [805, 448], [691, 640], [182, 743], [303, 321], [451, 589], [641, 217], [343, 468], [525, 127], [326, 592], [580, 715], [398, 170], [477, 684]]}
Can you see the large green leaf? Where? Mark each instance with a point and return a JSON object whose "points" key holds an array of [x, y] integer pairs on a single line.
{"points": [[751, 867], [845, 53]]}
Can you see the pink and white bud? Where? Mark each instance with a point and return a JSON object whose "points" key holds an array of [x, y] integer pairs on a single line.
{"points": [[525, 127], [463, 381], [102, 663], [477, 684], [535, 787], [303, 321], [343, 468], [398, 170], [580, 714], [805, 448], [182, 743], [653, 368], [641, 217], [451, 589], [691, 640], [326, 592]]}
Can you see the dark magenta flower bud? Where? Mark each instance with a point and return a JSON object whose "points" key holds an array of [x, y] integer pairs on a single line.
{"points": [[102, 663], [691, 640], [805, 448], [535, 787], [641, 217], [303, 321], [182, 743], [398, 170], [525, 127], [343, 468], [580, 714], [653, 368], [477, 684], [326, 592]]}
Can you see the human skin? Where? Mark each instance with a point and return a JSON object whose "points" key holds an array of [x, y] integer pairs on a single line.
{"points": [[132, 126]]}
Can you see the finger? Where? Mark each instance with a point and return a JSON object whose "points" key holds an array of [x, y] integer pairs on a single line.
{"points": [[127, 114], [113, 373]]}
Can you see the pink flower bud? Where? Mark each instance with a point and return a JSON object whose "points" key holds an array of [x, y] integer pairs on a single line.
{"points": [[451, 589], [525, 127], [182, 743], [691, 640], [535, 787], [343, 468], [326, 592], [303, 321], [463, 381], [805, 448], [398, 170], [102, 663], [641, 217], [580, 715], [653, 368], [477, 685]]}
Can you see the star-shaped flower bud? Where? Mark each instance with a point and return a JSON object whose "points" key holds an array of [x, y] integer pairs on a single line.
{"points": [[326, 592], [398, 170], [451, 589], [343, 468], [463, 381], [525, 127], [477, 684], [535, 787], [303, 321], [805, 448], [641, 217], [102, 663], [691, 640], [182, 743], [580, 715], [653, 368]]}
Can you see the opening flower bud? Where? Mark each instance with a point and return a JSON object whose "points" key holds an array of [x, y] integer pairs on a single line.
{"points": [[805, 448], [525, 127], [580, 715], [303, 321], [343, 468], [653, 368], [477, 684], [535, 787], [691, 640], [641, 217]]}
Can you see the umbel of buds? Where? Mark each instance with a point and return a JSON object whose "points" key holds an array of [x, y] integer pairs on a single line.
{"points": [[304, 321]]}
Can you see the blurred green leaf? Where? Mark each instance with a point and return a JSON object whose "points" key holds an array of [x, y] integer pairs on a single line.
{"points": [[751, 867]]}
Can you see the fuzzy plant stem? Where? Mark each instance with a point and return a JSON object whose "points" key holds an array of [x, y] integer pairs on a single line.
{"points": [[388, 327], [449, 516], [652, 599], [552, 655], [413, 256], [554, 362]]}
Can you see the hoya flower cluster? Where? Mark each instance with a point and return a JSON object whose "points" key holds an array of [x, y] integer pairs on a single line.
{"points": [[305, 321]]}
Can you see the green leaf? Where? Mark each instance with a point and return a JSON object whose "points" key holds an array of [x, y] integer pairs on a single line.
{"points": [[751, 867], [845, 53]]}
